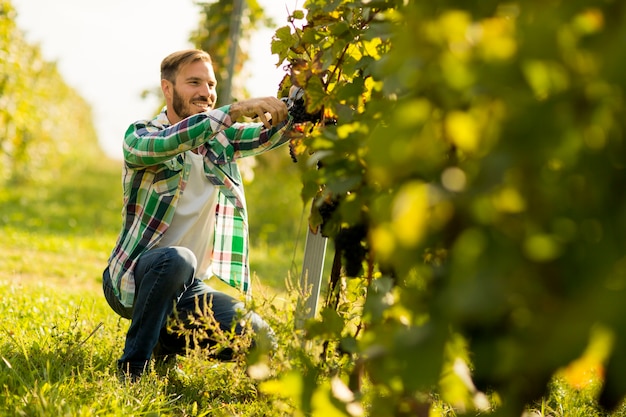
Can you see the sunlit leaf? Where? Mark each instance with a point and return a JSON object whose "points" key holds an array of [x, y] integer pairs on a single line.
{"points": [[542, 248], [298, 14], [589, 21], [281, 43], [330, 326], [315, 94], [350, 92], [509, 200], [497, 41], [545, 78], [289, 385], [323, 404], [463, 131], [410, 213]]}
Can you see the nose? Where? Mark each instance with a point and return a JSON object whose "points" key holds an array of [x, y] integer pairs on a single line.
{"points": [[205, 89], [208, 90]]}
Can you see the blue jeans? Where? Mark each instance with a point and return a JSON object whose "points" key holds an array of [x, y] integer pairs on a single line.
{"points": [[164, 280]]}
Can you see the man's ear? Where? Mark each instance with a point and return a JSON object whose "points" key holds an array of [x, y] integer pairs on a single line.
{"points": [[168, 88]]}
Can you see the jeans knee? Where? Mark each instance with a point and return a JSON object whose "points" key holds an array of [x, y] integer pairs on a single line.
{"points": [[171, 269], [264, 336], [181, 263], [183, 258]]}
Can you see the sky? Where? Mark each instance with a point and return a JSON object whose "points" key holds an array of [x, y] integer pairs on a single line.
{"points": [[110, 51]]}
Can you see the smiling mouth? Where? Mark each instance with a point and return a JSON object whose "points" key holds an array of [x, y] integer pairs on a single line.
{"points": [[204, 105]]}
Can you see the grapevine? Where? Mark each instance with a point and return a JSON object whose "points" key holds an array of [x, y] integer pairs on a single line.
{"points": [[487, 133]]}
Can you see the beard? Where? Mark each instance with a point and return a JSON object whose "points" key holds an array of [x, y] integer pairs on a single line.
{"points": [[181, 108]]}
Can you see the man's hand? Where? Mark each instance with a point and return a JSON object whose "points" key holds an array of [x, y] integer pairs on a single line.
{"points": [[270, 110]]}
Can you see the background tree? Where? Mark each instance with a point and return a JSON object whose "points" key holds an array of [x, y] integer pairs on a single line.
{"points": [[35, 139], [213, 36]]}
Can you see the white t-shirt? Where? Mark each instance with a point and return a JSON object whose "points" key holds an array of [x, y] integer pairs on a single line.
{"points": [[193, 225]]}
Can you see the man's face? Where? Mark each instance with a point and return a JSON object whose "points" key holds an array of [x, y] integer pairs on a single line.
{"points": [[192, 93]]}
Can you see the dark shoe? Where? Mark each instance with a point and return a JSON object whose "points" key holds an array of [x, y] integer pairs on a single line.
{"points": [[163, 357], [130, 371], [166, 364]]}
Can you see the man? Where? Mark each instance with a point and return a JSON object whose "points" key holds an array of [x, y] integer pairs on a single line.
{"points": [[184, 214]]}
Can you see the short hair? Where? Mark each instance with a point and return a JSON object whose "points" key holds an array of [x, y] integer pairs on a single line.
{"points": [[173, 62]]}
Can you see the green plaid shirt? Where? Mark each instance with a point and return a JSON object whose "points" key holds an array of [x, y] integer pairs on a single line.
{"points": [[156, 170]]}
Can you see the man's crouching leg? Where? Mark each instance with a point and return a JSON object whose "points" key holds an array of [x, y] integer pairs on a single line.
{"points": [[161, 276], [205, 317]]}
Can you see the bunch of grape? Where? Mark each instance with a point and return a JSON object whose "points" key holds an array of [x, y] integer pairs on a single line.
{"points": [[300, 115], [351, 242], [292, 151], [297, 108]]}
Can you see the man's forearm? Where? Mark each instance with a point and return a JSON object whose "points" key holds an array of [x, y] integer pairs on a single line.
{"points": [[146, 144]]}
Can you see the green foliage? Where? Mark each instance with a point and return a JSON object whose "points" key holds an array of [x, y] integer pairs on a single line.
{"points": [[34, 106], [483, 145]]}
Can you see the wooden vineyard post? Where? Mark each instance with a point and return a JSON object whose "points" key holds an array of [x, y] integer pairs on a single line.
{"points": [[311, 276]]}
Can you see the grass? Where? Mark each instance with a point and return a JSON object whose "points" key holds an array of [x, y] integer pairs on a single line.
{"points": [[58, 351], [59, 340]]}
